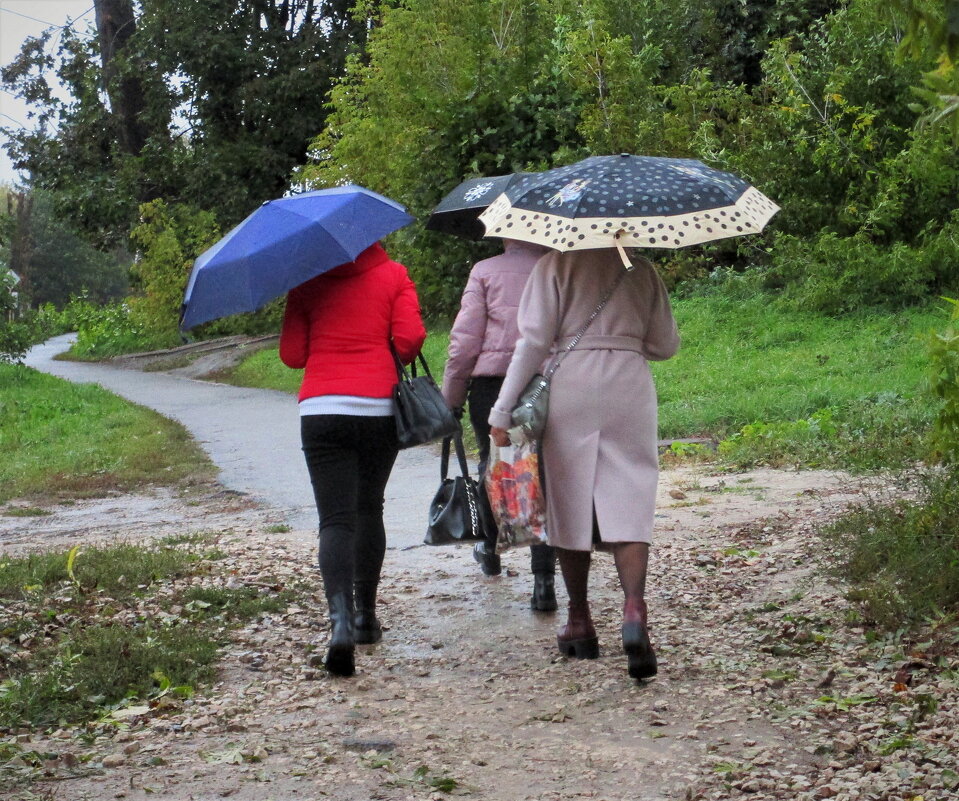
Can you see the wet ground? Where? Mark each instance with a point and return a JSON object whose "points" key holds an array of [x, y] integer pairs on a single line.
{"points": [[467, 695]]}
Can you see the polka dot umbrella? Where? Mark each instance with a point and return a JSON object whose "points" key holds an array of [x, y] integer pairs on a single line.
{"points": [[631, 201]]}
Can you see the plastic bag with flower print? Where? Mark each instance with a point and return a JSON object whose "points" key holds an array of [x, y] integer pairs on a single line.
{"points": [[516, 495]]}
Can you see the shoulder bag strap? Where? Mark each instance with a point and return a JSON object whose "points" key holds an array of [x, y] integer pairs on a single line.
{"points": [[587, 324], [401, 369], [401, 373]]}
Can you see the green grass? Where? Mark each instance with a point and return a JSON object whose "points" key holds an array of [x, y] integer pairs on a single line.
{"points": [[784, 387], [75, 440], [121, 571], [779, 387], [745, 360], [114, 625]]}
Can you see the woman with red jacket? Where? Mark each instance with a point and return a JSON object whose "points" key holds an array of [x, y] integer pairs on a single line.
{"points": [[338, 326]]}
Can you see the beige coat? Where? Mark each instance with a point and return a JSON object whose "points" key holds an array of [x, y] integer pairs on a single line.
{"points": [[599, 446]]}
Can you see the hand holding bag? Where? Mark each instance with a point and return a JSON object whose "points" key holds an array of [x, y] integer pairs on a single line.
{"points": [[457, 513], [419, 409], [532, 406]]}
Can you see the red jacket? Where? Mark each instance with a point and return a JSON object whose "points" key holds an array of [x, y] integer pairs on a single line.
{"points": [[339, 324]]}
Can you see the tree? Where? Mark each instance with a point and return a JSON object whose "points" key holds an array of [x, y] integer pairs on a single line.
{"points": [[211, 115]]}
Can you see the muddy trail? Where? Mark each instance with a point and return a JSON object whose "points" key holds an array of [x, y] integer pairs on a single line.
{"points": [[467, 695]]}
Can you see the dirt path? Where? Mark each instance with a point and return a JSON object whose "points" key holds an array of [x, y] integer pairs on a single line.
{"points": [[466, 694], [768, 685]]}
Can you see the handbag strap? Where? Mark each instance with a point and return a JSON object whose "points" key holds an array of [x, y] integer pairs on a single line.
{"points": [[457, 440], [401, 370], [587, 324]]}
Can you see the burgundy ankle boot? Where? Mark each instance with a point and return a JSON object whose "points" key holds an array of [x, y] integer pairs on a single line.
{"points": [[640, 656], [578, 637]]}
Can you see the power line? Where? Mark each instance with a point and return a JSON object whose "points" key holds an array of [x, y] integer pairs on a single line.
{"points": [[44, 22], [25, 16], [12, 119]]}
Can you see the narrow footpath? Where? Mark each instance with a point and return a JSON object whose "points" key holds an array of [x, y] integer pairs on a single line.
{"points": [[251, 435]]}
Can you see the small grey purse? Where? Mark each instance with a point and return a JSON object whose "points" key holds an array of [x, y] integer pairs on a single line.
{"points": [[532, 406]]}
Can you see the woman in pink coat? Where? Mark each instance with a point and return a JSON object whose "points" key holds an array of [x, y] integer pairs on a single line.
{"points": [[482, 341], [599, 446]]}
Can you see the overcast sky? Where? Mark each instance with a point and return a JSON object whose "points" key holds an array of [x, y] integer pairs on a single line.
{"points": [[20, 19]]}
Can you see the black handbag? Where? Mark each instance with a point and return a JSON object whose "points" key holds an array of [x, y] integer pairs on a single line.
{"points": [[419, 409], [458, 512]]}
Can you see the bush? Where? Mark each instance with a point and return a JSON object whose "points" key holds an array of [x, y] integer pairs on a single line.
{"points": [[108, 331], [836, 274], [944, 364], [901, 558]]}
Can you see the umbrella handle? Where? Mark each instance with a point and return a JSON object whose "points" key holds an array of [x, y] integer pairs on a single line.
{"points": [[622, 251]]}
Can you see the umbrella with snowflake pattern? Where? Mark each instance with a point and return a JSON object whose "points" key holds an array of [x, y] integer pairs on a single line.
{"points": [[458, 211]]}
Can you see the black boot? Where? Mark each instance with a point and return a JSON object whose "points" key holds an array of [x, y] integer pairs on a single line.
{"points": [[489, 560], [367, 628], [544, 593], [339, 657]]}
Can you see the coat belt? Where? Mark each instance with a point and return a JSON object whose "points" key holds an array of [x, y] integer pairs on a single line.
{"points": [[602, 342]]}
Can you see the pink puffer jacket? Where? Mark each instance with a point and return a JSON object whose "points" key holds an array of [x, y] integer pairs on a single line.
{"points": [[484, 333]]}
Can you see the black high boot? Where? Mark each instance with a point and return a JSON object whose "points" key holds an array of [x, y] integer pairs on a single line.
{"points": [[367, 628], [544, 592], [339, 657]]}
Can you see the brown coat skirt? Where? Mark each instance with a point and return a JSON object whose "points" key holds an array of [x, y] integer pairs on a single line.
{"points": [[599, 448]]}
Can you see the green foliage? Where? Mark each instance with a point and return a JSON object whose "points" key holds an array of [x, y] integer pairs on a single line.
{"points": [[14, 334], [57, 264], [75, 440], [168, 239], [944, 368], [105, 331], [835, 274], [901, 557], [230, 95]]}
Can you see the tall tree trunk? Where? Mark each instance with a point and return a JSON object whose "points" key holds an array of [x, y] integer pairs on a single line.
{"points": [[116, 24], [20, 208]]}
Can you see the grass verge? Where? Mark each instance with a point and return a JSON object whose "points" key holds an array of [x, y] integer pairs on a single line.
{"points": [[900, 558], [91, 632], [76, 440], [775, 386]]}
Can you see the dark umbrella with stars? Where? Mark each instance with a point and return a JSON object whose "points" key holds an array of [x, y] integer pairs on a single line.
{"points": [[631, 201]]}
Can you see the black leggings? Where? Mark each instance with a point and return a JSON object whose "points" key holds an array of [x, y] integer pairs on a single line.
{"points": [[483, 392], [350, 459]]}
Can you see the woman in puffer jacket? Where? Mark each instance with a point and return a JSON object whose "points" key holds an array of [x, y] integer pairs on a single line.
{"points": [[339, 326], [482, 341]]}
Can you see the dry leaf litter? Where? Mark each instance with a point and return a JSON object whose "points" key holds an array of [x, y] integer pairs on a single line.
{"points": [[768, 687]]}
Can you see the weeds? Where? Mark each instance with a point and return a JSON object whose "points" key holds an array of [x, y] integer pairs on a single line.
{"points": [[100, 629], [901, 557]]}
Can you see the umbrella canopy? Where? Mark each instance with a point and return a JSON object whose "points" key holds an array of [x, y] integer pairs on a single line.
{"points": [[457, 213], [284, 243], [632, 201]]}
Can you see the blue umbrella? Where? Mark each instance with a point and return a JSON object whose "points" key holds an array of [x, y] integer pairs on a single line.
{"points": [[284, 243]]}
